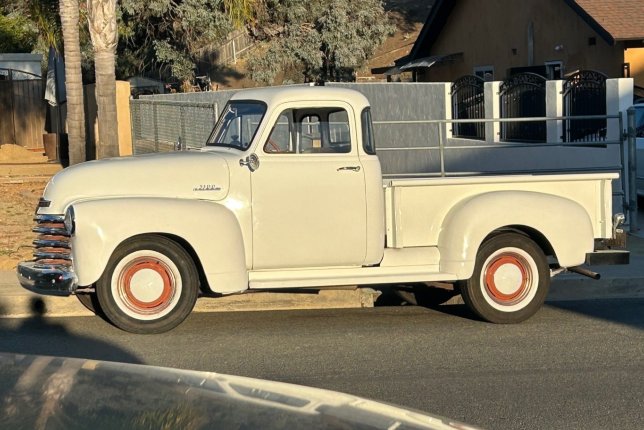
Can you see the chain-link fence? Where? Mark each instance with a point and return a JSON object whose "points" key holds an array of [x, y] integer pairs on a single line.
{"points": [[157, 125]]}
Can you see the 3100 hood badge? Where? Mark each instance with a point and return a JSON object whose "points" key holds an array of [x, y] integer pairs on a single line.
{"points": [[207, 187]]}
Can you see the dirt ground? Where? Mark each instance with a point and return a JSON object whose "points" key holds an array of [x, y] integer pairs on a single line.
{"points": [[19, 199], [23, 176]]}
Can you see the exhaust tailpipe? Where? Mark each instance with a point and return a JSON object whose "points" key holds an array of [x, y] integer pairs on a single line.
{"points": [[582, 271]]}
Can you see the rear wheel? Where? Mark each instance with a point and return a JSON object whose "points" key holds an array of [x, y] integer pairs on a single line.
{"points": [[510, 281], [150, 285]]}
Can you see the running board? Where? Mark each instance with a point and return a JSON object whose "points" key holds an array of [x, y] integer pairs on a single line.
{"points": [[331, 277]]}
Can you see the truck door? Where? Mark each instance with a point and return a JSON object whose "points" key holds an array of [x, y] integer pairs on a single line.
{"points": [[308, 194]]}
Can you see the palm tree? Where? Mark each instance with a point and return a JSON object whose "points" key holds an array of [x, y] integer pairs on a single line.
{"points": [[103, 32], [69, 17]]}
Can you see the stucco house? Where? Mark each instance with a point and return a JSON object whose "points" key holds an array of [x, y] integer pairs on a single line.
{"points": [[495, 39]]}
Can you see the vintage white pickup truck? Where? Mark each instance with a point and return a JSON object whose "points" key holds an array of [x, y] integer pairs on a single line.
{"points": [[288, 193]]}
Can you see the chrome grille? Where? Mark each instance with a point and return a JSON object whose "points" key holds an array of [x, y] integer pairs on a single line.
{"points": [[53, 245]]}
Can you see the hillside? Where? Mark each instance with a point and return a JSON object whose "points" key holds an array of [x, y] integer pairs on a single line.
{"points": [[408, 17]]}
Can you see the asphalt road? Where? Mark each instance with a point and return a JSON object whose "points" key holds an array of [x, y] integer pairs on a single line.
{"points": [[574, 365]]}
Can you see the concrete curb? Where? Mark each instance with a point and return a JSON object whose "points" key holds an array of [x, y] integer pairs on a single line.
{"points": [[18, 303]]}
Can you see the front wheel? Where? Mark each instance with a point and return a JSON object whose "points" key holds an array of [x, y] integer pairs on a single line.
{"points": [[510, 281], [90, 302], [150, 285]]}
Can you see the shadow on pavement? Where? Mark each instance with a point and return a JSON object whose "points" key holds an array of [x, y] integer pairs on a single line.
{"points": [[37, 335], [629, 312], [389, 297], [624, 311]]}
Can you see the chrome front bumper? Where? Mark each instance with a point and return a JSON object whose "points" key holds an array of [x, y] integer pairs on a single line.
{"points": [[48, 280], [51, 272]]}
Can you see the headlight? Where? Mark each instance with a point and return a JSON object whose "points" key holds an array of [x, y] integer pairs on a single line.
{"points": [[70, 225]]}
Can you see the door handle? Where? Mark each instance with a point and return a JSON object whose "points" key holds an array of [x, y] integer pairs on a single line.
{"points": [[353, 168]]}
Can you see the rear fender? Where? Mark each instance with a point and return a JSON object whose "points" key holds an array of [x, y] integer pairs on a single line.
{"points": [[563, 222], [210, 229]]}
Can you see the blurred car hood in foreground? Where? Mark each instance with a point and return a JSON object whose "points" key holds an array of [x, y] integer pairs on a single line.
{"points": [[52, 393]]}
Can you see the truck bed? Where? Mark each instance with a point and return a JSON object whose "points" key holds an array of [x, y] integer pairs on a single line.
{"points": [[416, 207]]}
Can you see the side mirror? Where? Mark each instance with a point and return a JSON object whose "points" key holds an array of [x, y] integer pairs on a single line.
{"points": [[252, 162]]}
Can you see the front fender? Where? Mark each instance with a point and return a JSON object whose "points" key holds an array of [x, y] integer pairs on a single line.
{"points": [[210, 228], [563, 222]]}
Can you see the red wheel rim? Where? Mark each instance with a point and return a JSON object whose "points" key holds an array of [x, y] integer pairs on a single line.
{"points": [[523, 287], [129, 297]]}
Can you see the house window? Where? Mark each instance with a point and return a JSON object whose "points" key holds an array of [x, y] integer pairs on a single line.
{"points": [[554, 70], [484, 72]]}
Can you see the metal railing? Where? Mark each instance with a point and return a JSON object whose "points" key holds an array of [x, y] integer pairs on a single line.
{"points": [[625, 144]]}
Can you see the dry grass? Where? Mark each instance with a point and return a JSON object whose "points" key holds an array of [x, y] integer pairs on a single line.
{"points": [[19, 199], [23, 176]]}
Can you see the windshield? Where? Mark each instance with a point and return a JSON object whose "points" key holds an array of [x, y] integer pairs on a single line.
{"points": [[237, 124]]}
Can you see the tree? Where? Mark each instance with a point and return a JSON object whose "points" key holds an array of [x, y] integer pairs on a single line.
{"points": [[17, 34], [243, 12], [101, 16], [69, 17], [38, 20], [169, 37], [318, 40]]}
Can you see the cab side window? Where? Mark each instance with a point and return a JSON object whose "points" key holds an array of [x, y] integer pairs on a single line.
{"points": [[339, 136], [368, 143], [310, 131]]}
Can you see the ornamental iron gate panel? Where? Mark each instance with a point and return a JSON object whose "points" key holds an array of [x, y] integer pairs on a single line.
{"points": [[468, 103], [584, 93], [523, 96]]}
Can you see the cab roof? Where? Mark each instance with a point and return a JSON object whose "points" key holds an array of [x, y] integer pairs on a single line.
{"points": [[282, 94]]}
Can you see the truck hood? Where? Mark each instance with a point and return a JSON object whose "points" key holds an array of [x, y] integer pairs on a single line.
{"points": [[193, 174]]}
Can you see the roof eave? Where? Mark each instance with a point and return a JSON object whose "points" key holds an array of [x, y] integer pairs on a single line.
{"points": [[608, 38], [433, 25]]}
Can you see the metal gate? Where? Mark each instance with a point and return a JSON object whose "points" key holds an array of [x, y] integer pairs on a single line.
{"points": [[468, 103], [584, 93], [523, 96], [22, 108]]}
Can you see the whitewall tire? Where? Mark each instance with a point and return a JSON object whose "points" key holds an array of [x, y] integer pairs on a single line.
{"points": [[150, 285], [510, 281]]}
